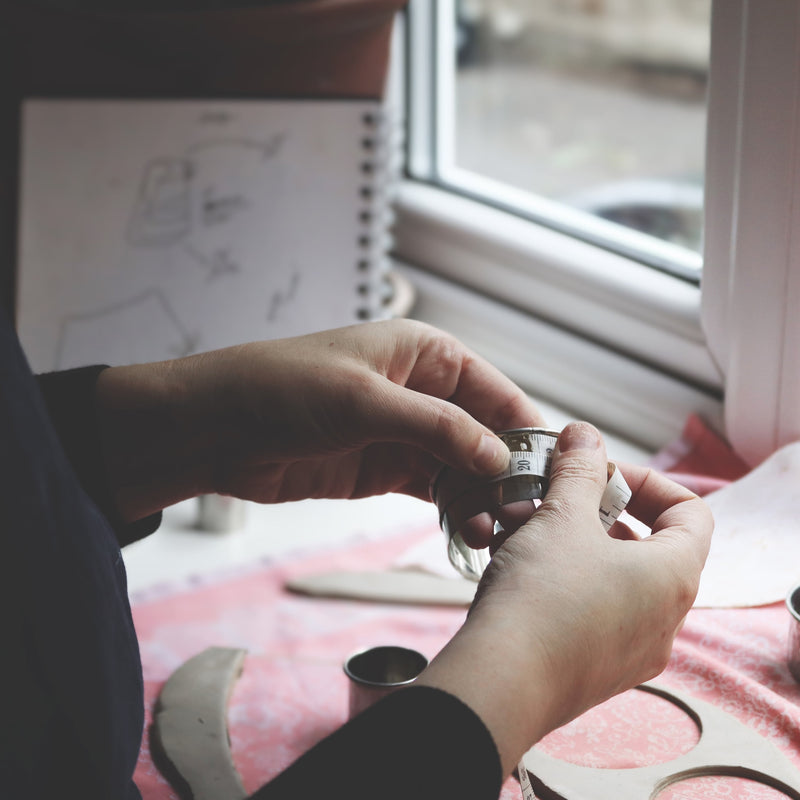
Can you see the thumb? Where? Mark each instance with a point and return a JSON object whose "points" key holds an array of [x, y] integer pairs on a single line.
{"points": [[578, 474]]}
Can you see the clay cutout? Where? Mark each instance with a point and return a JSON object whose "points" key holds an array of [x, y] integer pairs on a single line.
{"points": [[390, 586], [189, 737], [726, 747]]}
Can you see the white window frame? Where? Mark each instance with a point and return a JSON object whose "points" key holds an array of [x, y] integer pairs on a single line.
{"points": [[751, 279], [601, 333]]}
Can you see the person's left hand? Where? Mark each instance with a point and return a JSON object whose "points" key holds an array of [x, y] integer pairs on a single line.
{"points": [[567, 615], [347, 413]]}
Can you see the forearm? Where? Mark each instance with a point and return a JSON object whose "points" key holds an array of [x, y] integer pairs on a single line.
{"points": [[503, 680]]}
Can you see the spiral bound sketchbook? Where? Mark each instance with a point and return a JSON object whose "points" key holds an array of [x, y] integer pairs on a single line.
{"points": [[155, 229]]}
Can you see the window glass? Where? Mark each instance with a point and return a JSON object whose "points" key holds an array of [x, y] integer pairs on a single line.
{"points": [[597, 105]]}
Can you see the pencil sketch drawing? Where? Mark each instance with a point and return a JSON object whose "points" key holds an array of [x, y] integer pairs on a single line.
{"points": [[197, 218], [82, 336], [158, 228], [282, 298], [162, 212]]}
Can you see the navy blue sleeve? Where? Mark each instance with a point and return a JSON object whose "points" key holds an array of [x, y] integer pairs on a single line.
{"points": [[419, 743], [70, 673], [69, 398]]}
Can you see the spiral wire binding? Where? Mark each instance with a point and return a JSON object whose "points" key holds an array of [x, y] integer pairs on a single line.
{"points": [[380, 170]]}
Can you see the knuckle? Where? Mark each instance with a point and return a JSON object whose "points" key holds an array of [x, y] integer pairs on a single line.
{"points": [[658, 663], [680, 580], [439, 363], [447, 353], [555, 508], [363, 388], [685, 590], [450, 421]]}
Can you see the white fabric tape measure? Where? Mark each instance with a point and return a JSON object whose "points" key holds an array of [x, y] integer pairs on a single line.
{"points": [[459, 496], [537, 463]]}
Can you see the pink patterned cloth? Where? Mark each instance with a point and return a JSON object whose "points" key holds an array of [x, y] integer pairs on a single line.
{"points": [[293, 691]]}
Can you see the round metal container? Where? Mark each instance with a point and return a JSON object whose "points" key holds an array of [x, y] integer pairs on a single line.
{"points": [[379, 671], [460, 496], [793, 643]]}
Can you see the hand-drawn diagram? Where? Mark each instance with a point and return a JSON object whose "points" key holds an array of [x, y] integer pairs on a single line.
{"points": [[157, 228], [188, 211], [163, 210], [177, 198], [283, 297]]}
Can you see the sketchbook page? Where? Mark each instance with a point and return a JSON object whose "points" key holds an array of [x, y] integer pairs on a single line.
{"points": [[155, 229]]}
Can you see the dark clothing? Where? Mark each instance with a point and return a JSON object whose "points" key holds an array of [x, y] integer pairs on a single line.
{"points": [[69, 400], [71, 675], [417, 744]]}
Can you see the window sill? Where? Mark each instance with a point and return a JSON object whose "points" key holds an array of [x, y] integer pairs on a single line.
{"points": [[580, 379], [604, 298]]}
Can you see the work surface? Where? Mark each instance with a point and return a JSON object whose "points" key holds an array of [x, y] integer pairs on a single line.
{"points": [[293, 691], [191, 590]]}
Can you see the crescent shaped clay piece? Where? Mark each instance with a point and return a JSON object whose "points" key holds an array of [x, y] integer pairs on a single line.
{"points": [[189, 737]]}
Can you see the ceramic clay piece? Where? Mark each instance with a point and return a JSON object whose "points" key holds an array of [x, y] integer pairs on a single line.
{"points": [[388, 586], [727, 747], [189, 737]]}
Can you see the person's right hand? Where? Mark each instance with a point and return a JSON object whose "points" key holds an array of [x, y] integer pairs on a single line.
{"points": [[346, 413], [567, 615]]}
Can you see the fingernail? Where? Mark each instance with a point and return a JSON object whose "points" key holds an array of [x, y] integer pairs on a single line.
{"points": [[491, 455], [579, 436]]}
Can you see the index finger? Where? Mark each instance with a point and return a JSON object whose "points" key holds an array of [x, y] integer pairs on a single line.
{"points": [[651, 492], [671, 510], [444, 367], [493, 398]]}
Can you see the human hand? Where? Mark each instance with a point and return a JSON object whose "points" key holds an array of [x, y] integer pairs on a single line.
{"points": [[566, 615], [346, 413]]}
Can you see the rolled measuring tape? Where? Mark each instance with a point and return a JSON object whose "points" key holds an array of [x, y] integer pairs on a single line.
{"points": [[460, 496]]}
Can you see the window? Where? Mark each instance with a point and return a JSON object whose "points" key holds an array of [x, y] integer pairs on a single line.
{"points": [[608, 319], [582, 279], [596, 107]]}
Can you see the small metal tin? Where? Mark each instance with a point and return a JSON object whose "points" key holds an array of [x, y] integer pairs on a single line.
{"points": [[220, 513], [460, 496], [379, 671], [793, 643]]}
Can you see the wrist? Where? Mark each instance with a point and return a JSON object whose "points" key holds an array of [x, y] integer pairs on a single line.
{"points": [[154, 452], [493, 668]]}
